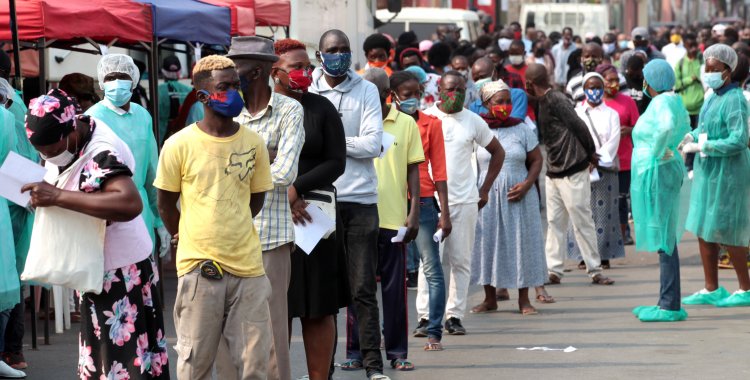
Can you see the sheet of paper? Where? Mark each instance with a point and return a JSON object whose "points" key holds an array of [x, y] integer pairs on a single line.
{"points": [[594, 175], [438, 236], [307, 237], [565, 350], [605, 160], [388, 140], [15, 172], [702, 138], [399, 236]]}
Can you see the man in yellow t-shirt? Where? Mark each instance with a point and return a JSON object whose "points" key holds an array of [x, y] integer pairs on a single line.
{"points": [[220, 172], [398, 177]]}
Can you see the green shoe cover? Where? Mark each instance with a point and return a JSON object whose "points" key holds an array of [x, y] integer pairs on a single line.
{"points": [[661, 315], [704, 297], [639, 309], [738, 299]]}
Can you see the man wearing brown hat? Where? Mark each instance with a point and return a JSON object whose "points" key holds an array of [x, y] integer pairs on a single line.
{"points": [[279, 120], [80, 86]]}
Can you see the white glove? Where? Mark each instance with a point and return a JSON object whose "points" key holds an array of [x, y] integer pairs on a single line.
{"points": [[164, 239], [686, 140], [691, 147]]}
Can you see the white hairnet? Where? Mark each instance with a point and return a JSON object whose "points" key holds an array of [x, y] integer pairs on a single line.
{"points": [[722, 53], [117, 63], [6, 91]]}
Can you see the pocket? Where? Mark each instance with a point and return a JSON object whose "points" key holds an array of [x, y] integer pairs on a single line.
{"points": [[183, 348]]}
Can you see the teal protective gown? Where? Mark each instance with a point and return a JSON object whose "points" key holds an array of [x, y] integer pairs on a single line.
{"points": [[10, 293], [22, 218], [135, 129], [720, 199], [196, 114], [179, 89], [658, 188]]}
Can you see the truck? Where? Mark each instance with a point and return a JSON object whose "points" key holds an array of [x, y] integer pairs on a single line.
{"points": [[551, 17]]}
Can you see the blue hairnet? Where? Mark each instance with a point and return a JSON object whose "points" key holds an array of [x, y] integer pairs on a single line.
{"points": [[659, 75], [418, 72]]}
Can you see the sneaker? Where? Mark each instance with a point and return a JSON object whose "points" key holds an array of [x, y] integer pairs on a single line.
{"points": [[15, 360], [377, 376], [704, 297], [411, 281], [737, 299], [454, 327], [6, 372], [421, 330]]}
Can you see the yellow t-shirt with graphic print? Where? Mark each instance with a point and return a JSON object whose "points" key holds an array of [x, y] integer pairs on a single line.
{"points": [[215, 177]]}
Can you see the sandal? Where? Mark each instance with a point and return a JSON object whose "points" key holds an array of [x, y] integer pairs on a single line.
{"points": [[601, 280], [433, 346], [352, 365], [544, 298], [402, 365], [482, 308], [528, 310]]}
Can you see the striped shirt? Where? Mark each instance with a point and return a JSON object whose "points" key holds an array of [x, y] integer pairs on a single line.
{"points": [[281, 126]]}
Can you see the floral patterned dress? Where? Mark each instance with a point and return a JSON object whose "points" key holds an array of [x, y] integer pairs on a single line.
{"points": [[122, 329]]}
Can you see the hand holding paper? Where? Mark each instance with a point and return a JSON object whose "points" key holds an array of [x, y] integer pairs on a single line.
{"points": [[388, 140], [16, 172]]}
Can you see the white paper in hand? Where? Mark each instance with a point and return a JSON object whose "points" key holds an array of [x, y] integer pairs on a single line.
{"points": [[594, 175], [15, 172], [307, 237], [438, 236], [388, 140], [399, 235], [605, 160], [702, 138]]}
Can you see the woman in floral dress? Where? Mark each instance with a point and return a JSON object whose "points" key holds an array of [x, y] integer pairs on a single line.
{"points": [[122, 329]]}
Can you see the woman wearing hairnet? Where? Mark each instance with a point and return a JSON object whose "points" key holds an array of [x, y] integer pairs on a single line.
{"points": [[721, 192], [118, 76], [658, 174]]}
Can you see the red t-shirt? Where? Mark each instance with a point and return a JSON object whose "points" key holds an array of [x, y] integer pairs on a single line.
{"points": [[522, 73], [628, 111], [431, 131]]}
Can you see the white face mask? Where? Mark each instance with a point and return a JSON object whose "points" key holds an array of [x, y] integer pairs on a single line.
{"points": [[62, 159], [515, 60]]}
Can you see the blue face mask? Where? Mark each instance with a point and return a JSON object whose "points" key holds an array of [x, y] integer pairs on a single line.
{"points": [[713, 80], [118, 91], [226, 103], [594, 95], [623, 44], [408, 106], [337, 64], [481, 83]]}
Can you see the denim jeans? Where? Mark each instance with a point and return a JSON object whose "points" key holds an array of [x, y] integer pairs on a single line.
{"points": [[412, 258], [429, 252], [669, 276]]}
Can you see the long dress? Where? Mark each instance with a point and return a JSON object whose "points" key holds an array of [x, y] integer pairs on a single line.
{"points": [[720, 198], [508, 248], [9, 282]]}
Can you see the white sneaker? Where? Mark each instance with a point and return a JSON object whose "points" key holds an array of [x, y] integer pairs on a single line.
{"points": [[6, 372]]}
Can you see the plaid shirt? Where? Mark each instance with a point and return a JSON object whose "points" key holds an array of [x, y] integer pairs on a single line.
{"points": [[281, 126]]}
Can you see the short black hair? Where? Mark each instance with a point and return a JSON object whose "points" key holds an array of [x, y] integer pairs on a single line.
{"points": [[742, 71], [690, 37], [530, 25], [376, 40], [452, 73], [483, 42], [332, 32], [409, 53], [439, 54], [567, 29], [408, 39], [400, 77]]}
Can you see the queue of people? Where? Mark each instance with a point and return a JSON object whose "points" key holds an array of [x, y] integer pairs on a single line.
{"points": [[452, 200]]}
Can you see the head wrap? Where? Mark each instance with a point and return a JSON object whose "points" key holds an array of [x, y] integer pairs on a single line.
{"points": [[723, 53], [492, 88], [418, 72], [171, 67], [590, 75], [603, 68], [659, 75], [401, 55], [51, 117], [117, 63]]}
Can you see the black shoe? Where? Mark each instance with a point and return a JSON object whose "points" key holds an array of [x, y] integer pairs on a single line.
{"points": [[421, 330], [454, 327], [411, 281], [628, 240]]}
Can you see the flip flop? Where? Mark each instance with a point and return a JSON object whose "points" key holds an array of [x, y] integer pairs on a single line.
{"points": [[433, 346], [545, 298], [402, 365], [482, 309], [352, 365]]}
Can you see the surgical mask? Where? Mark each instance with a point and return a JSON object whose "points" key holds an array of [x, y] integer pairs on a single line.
{"points": [[589, 64], [408, 106], [226, 103], [478, 84], [645, 90], [515, 60], [675, 39], [501, 111], [713, 80], [337, 64], [63, 159], [594, 95], [118, 91], [452, 101], [623, 44], [609, 48], [504, 43]]}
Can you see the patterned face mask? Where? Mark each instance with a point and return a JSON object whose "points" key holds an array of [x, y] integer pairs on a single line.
{"points": [[452, 101], [594, 95]]}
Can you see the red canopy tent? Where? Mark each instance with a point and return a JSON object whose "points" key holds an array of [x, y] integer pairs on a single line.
{"points": [[243, 15], [272, 12]]}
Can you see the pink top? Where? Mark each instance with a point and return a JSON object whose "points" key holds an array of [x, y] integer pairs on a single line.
{"points": [[627, 109]]}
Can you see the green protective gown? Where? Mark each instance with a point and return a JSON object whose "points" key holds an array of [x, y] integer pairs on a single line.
{"points": [[135, 129], [22, 218], [658, 189], [720, 200], [9, 282], [196, 114], [181, 90]]}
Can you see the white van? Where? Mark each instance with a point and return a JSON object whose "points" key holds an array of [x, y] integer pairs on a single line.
{"points": [[424, 22], [551, 17]]}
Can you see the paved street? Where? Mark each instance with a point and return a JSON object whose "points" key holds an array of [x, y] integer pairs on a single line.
{"points": [[596, 320]]}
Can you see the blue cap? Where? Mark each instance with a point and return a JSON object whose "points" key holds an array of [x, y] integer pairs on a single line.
{"points": [[659, 75], [418, 72]]}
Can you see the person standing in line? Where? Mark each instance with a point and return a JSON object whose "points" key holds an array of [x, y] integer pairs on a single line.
{"points": [[461, 130], [604, 126], [628, 114], [171, 95], [591, 56], [220, 172], [571, 154], [560, 52], [658, 176], [720, 197], [398, 177], [517, 59], [688, 85], [279, 120], [508, 250], [358, 105], [318, 287], [377, 48], [132, 123], [483, 71]]}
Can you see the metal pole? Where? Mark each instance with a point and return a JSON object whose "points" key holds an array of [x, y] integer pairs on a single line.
{"points": [[153, 85], [16, 44], [42, 66], [33, 317]]}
